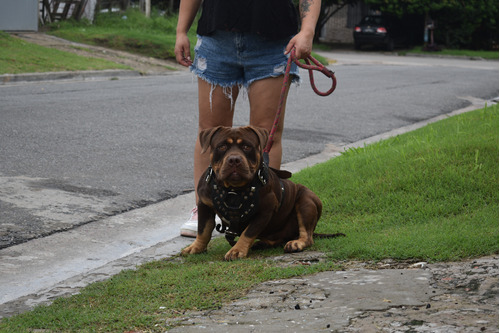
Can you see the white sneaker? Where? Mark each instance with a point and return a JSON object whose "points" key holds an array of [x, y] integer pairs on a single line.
{"points": [[190, 228]]}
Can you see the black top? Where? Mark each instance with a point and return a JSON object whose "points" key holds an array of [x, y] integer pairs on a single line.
{"points": [[274, 19]]}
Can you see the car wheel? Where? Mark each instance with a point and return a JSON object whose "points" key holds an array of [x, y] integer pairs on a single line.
{"points": [[357, 45], [389, 46]]}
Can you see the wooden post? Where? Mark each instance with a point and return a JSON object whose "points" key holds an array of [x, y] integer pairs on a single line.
{"points": [[148, 8]]}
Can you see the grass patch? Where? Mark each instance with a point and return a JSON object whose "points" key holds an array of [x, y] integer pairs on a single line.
{"points": [[18, 56], [129, 31], [144, 299], [490, 55], [431, 194]]}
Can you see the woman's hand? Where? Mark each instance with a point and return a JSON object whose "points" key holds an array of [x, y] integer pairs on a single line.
{"points": [[302, 42], [187, 13], [182, 50]]}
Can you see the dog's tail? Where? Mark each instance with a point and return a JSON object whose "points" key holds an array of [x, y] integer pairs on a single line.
{"points": [[339, 234]]}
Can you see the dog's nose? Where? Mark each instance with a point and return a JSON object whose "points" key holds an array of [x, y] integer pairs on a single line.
{"points": [[234, 160]]}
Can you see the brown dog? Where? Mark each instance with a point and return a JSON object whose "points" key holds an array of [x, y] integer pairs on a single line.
{"points": [[252, 200]]}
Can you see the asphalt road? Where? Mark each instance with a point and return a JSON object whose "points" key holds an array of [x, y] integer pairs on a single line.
{"points": [[73, 152]]}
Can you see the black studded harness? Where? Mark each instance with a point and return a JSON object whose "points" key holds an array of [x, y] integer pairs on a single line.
{"points": [[236, 206]]}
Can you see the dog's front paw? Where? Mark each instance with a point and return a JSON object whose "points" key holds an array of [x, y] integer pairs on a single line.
{"points": [[295, 246], [235, 253], [194, 248]]}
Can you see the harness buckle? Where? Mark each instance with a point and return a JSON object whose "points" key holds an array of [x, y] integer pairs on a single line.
{"points": [[262, 174], [209, 175]]}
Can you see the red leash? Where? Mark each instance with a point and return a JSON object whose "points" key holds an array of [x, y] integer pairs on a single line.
{"points": [[316, 67]]}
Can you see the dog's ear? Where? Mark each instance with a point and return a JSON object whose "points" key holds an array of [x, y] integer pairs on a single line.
{"points": [[262, 134], [206, 136]]}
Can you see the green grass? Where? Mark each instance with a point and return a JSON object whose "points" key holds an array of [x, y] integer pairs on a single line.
{"points": [[130, 31], [18, 56], [431, 194], [490, 55], [144, 299]]}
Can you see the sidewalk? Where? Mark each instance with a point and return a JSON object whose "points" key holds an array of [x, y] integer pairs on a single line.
{"points": [[80, 75]]}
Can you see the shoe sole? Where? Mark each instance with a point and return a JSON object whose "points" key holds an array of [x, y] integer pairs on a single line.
{"points": [[188, 233]]}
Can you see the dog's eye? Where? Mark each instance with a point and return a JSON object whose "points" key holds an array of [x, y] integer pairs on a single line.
{"points": [[222, 148], [246, 148]]}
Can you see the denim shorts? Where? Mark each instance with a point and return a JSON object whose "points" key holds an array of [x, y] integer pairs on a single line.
{"points": [[227, 59]]}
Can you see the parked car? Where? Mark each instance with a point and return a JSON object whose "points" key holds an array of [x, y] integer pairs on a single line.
{"points": [[379, 30]]}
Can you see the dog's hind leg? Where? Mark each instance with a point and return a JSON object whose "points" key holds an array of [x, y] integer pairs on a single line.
{"points": [[308, 210]]}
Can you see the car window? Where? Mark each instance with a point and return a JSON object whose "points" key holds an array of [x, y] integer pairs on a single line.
{"points": [[375, 20]]}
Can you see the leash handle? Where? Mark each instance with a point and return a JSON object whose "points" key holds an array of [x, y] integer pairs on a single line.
{"points": [[316, 67]]}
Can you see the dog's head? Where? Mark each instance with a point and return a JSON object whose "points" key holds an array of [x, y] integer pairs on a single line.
{"points": [[235, 153]]}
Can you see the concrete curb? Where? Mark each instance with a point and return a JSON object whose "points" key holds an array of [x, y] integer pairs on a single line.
{"points": [[78, 75], [444, 56]]}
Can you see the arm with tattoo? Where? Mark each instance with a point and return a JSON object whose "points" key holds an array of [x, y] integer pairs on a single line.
{"points": [[309, 14]]}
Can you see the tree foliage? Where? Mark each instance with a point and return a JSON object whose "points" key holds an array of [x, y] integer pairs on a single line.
{"points": [[469, 24], [401, 7]]}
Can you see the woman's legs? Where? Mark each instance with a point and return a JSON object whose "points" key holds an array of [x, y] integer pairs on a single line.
{"points": [[216, 108], [264, 97]]}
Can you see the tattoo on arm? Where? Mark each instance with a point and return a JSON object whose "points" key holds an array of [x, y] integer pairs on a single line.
{"points": [[305, 6]]}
